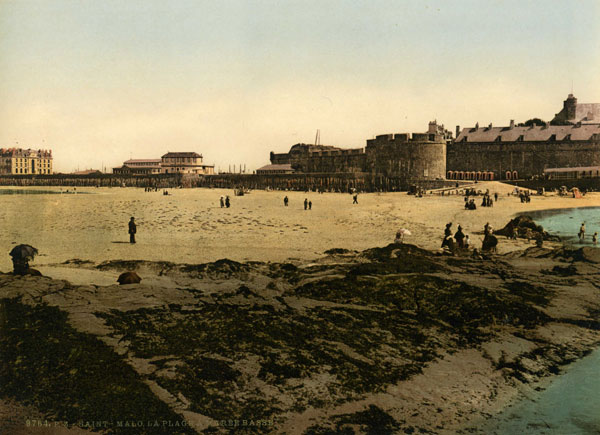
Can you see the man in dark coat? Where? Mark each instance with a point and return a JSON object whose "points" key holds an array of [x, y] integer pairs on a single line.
{"points": [[459, 236], [132, 230]]}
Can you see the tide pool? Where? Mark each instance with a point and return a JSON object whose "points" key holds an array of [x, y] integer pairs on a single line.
{"points": [[565, 223]]}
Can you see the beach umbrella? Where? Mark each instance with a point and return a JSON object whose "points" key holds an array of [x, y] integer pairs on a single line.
{"points": [[23, 252], [129, 278]]}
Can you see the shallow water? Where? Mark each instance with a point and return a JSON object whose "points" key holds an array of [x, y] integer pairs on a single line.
{"points": [[37, 192], [565, 223], [570, 405]]}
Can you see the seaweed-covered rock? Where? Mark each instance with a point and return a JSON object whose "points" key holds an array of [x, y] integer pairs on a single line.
{"points": [[525, 227]]}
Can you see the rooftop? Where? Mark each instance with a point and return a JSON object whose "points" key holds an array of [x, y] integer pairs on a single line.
{"points": [[181, 154], [529, 134]]}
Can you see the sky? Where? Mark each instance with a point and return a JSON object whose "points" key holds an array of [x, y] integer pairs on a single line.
{"points": [[100, 82]]}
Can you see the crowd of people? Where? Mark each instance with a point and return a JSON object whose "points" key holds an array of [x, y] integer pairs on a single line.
{"points": [[460, 242]]}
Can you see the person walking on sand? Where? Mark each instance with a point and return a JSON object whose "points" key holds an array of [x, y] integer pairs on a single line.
{"points": [[355, 199], [285, 201], [310, 205], [305, 203], [227, 201], [582, 232], [222, 201], [132, 230]]}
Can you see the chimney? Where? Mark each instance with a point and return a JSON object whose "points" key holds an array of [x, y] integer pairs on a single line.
{"points": [[457, 130], [512, 124]]}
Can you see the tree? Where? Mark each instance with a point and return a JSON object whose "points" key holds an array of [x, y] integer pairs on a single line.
{"points": [[532, 121]]}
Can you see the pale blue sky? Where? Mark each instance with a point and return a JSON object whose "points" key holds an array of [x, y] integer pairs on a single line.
{"points": [[100, 81]]}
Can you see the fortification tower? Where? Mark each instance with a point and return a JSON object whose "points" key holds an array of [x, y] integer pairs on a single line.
{"points": [[420, 156], [570, 107]]}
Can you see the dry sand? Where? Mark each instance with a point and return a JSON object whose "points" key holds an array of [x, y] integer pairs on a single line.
{"points": [[189, 226]]}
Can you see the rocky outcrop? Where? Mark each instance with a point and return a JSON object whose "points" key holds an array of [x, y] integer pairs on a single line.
{"points": [[526, 228]]}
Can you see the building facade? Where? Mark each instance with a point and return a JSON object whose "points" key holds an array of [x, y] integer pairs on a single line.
{"points": [[401, 156], [17, 161], [185, 163], [139, 167], [170, 163], [511, 152]]}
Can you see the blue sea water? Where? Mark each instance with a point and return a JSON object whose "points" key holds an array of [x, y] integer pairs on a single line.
{"points": [[569, 406], [571, 403], [565, 223]]}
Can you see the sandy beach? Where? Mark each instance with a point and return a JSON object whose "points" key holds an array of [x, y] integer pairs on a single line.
{"points": [[188, 226], [394, 338]]}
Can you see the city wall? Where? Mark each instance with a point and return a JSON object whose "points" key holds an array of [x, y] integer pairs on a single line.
{"points": [[528, 159]]}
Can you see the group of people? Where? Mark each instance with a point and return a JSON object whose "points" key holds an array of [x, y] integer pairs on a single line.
{"points": [[225, 202], [581, 235], [487, 200], [460, 240], [524, 196], [307, 203]]}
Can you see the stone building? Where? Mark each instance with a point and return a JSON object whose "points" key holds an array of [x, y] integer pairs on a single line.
{"points": [[513, 152], [574, 112], [29, 161], [185, 163], [418, 156]]}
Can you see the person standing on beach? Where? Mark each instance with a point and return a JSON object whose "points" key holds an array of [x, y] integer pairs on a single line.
{"points": [[227, 202], [305, 203], [132, 230], [310, 205], [459, 236], [285, 201], [581, 233], [595, 239], [222, 201], [355, 199], [487, 229]]}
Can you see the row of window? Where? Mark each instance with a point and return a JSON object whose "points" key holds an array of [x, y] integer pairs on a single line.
{"points": [[180, 160], [25, 171]]}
